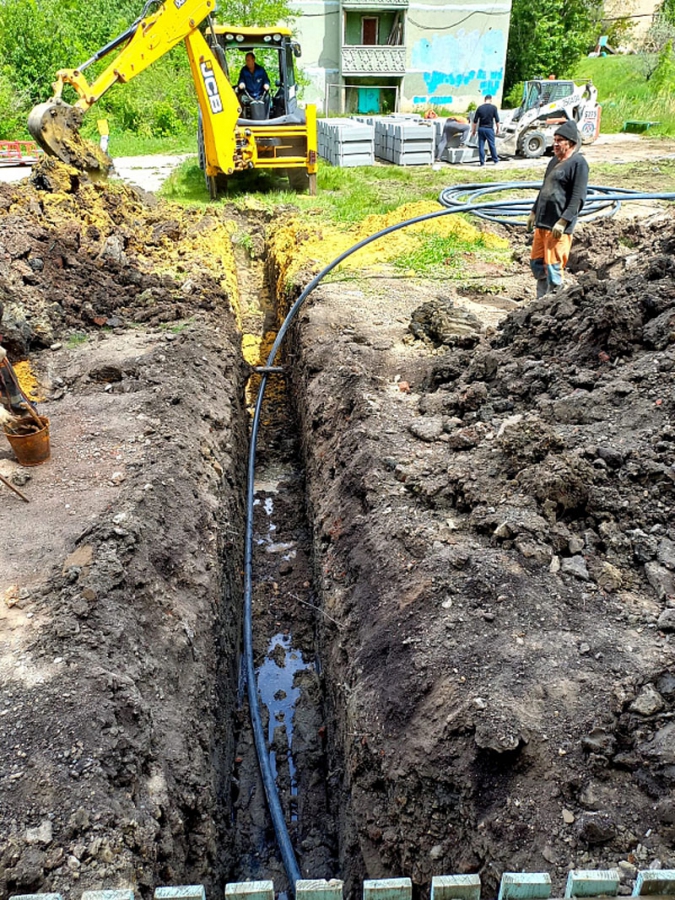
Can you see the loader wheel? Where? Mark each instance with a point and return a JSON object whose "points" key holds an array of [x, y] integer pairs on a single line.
{"points": [[533, 145], [299, 180]]}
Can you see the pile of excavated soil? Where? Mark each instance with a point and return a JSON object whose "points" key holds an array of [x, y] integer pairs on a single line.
{"points": [[119, 583], [78, 255], [494, 547]]}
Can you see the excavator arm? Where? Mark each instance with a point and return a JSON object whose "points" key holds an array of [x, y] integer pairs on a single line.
{"points": [[55, 124]]}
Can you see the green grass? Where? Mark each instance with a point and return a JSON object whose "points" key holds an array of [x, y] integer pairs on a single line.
{"points": [[625, 94], [345, 196], [445, 257], [127, 144], [76, 339]]}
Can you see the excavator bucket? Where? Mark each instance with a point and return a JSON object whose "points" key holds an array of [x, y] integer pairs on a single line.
{"points": [[55, 126]]}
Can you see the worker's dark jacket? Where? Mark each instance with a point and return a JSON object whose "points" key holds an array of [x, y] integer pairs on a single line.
{"points": [[563, 193], [253, 81], [486, 115]]}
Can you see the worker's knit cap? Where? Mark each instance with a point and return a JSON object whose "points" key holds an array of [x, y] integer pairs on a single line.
{"points": [[569, 131]]}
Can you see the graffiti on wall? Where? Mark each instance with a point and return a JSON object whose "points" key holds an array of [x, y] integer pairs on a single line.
{"points": [[453, 63]]}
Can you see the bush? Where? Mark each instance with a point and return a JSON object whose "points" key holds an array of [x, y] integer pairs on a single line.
{"points": [[12, 109]]}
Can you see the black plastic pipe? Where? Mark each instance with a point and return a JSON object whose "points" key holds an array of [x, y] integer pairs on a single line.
{"points": [[504, 211]]}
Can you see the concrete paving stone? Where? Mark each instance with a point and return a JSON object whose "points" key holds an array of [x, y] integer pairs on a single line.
{"points": [[525, 886], [592, 883], [36, 897], [655, 883], [319, 889], [455, 887], [182, 892], [108, 895], [387, 889], [250, 890]]}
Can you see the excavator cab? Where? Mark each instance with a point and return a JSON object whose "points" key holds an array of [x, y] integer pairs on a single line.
{"points": [[284, 138]]}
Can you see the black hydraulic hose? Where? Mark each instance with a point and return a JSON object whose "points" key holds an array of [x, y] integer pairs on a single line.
{"points": [[493, 209]]}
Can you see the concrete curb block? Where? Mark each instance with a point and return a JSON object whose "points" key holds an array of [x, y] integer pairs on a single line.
{"points": [[455, 887], [319, 889], [593, 883], [387, 889], [655, 883], [525, 886]]}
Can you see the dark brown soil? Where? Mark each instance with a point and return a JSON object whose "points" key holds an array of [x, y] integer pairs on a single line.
{"points": [[119, 630], [493, 530], [485, 655]]}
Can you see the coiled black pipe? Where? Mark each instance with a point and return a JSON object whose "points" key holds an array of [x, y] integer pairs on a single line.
{"points": [[504, 211], [600, 201]]}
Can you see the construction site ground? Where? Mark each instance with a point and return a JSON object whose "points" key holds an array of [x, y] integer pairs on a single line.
{"points": [[464, 601]]}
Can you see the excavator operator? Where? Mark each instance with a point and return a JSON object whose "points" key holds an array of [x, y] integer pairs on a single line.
{"points": [[253, 78]]}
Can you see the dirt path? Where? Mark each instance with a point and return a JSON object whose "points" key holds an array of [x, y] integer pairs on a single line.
{"points": [[150, 172]]}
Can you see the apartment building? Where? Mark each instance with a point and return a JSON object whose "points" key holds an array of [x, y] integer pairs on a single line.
{"points": [[378, 56]]}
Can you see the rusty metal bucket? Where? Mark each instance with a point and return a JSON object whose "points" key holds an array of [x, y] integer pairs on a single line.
{"points": [[31, 449]]}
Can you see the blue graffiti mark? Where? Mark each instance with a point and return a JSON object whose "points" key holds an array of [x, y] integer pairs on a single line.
{"points": [[490, 87], [439, 99], [461, 59]]}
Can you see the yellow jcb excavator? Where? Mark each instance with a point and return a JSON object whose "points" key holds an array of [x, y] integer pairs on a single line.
{"points": [[236, 132]]}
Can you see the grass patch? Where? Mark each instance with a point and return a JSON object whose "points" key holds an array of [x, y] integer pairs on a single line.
{"points": [[76, 339], [625, 94], [128, 144], [447, 256]]}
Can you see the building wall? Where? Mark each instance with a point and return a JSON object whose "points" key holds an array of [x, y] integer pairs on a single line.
{"points": [[457, 53], [318, 31]]}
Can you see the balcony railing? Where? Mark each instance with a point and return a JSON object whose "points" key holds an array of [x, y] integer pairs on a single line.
{"points": [[374, 4], [373, 60]]}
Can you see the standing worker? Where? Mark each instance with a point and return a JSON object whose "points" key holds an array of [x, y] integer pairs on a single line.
{"points": [[556, 209], [486, 121]]}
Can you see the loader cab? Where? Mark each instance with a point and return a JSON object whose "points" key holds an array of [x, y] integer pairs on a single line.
{"points": [[541, 93], [276, 51]]}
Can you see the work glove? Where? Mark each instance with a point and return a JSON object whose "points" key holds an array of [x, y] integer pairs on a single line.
{"points": [[6, 418], [530, 222], [559, 229]]}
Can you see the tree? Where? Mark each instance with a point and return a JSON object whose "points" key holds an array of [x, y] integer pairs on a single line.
{"points": [[549, 39], [659, 37], [39, 37]]}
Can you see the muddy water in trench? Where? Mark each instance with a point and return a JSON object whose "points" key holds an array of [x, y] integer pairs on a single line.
{"points": [[284, 623]]}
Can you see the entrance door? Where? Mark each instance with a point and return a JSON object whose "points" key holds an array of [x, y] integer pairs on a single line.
{"points": [[369, 101], [369, 30]]}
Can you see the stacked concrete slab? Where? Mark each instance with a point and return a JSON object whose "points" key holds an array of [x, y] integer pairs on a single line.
{"points": [[402, 139], [345, 142], [404, 142]]}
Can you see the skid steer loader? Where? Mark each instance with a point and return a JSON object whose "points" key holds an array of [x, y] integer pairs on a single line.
{"points": [[528, 131], [229, 142]]}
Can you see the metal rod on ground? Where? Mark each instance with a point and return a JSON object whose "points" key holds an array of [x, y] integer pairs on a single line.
{"points": [[12, 488]]}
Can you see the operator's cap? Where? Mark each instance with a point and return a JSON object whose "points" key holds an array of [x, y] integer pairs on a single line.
{"points": [[569, 131]]}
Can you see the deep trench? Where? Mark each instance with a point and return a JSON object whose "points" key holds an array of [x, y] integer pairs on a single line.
{"points": [[287, 658]]}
